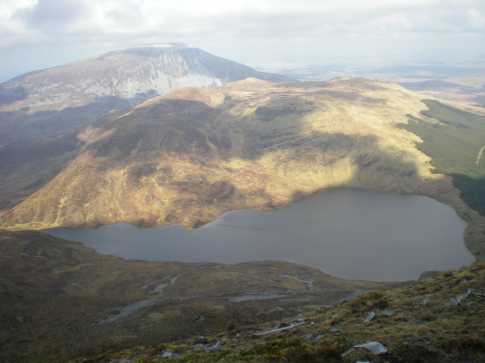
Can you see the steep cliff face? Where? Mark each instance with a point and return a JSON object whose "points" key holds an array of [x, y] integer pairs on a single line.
{"points": [[191, 155]]}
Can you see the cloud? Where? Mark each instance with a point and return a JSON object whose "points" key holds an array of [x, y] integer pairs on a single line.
{"points": [[237, 28], [55, 15], [193, 16]]}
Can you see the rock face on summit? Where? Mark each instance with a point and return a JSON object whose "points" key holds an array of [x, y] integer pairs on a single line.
{"points": [[75, 94], [126, 74]]}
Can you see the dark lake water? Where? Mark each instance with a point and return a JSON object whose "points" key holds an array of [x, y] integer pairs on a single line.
{"points": [[344, 232]]}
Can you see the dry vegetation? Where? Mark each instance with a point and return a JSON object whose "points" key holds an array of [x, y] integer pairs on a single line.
{"points": [[192, 155], [59, 299], [438, 319]]}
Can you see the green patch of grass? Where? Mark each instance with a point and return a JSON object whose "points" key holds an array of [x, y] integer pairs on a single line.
{"points": [[453, 139]]}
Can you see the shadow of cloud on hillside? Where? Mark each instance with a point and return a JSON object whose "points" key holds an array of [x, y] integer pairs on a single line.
{"points": [[34, 147], [182, 127], [22, 125], [26, 167], [11, 95]]}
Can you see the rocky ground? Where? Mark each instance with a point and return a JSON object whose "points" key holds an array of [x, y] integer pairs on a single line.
{"points": [[437, 319], [59, 300]]}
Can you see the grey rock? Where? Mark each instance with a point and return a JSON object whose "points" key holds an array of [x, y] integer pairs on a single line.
{"points": [[318, 337], [425, 301], [478, 293], [458, 300], [372, 346], [214, 347], [297, 323], [370, 317], [168, 354], [314, 338], [209, 347], [387, 312]]}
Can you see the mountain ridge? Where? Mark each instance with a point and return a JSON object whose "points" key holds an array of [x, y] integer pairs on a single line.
{"points": [[51, 106], [233, 138]]}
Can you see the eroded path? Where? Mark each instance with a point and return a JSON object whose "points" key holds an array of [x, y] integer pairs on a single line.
{"points": [[479, 155]]}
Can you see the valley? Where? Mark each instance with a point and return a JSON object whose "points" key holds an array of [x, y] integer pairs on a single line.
{"points": [[188, 157], [160, 158]]}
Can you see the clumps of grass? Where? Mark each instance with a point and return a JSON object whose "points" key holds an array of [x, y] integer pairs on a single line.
{"points": [[295, 349], [469, 342], [413, 351], [434, 332], [375, 300]]}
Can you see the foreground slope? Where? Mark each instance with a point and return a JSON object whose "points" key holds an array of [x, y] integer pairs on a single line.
{"points": [[438, 320], [59, 299], [191, 155]]}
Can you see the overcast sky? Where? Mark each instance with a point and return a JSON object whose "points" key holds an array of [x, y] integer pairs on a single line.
{"points": [[41, 33]]}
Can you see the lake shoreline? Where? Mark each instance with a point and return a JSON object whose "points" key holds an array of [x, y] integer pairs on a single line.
{"points": [[267, 244]]}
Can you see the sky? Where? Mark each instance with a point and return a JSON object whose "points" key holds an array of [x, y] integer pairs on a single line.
{"points": [[36, 34]]}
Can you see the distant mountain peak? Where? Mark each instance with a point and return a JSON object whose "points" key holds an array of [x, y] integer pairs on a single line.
{"points": [[154, 47], [130, 74], [79, 93], [164, 45]]}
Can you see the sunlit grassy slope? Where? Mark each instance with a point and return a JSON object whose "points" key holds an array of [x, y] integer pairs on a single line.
{"points": [[190, 156]]}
